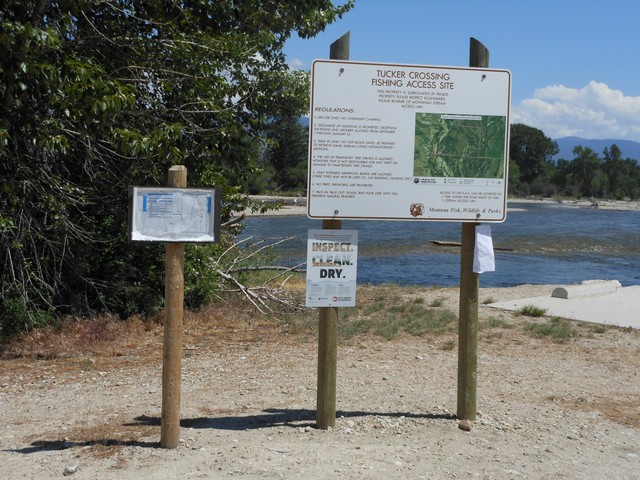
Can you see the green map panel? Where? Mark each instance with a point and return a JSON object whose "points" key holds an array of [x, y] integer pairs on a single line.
{"points": [[463, 146]]}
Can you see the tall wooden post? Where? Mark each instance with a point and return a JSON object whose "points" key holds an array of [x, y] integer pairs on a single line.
{"points": [[327, 356], [173, 326], [469, 290], [328, 316]]}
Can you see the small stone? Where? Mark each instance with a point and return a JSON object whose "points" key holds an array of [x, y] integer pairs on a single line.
{"points": [[70, 469], [465, 425]]}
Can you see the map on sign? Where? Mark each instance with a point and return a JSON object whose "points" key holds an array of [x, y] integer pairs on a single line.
{"points": [[468, 146]]}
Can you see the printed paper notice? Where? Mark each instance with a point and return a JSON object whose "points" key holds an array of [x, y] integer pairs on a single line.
{"points": [[174, 214], [332, 257]]}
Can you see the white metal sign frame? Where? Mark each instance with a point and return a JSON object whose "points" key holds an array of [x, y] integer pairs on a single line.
{"points": [[408, 142]]}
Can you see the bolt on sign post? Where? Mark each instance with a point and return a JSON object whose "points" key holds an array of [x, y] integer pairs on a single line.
{"points": [[173, 215], [469, 290], [328, 316]]}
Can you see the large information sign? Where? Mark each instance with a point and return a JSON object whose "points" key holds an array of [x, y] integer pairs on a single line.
{"points": [[407, 142], [174, 214]]}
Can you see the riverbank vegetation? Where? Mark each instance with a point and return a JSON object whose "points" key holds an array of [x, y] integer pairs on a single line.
{"points": [[385, 312], [532, 171], [98, 96]]}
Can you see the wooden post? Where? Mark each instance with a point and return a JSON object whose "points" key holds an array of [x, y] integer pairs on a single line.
{"points": [[173, 326], [469, 290], [328, 316], [339, 50]]}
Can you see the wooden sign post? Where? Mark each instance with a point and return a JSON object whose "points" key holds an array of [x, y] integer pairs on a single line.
{"points": [[173, 215], [173, 327], [328, 316], [469, 289], [390, 118]]}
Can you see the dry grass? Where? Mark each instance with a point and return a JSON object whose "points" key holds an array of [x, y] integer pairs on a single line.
{"points": [[107, 336], [76, 337], [103, 440], [624, 411]]}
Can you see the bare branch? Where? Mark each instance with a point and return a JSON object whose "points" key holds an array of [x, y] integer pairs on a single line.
{"points": [[253, 297], [233, 221], [267, 268]]}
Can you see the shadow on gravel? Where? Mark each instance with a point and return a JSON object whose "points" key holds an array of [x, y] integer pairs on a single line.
{"points": [[53, 445], [274, 417]]}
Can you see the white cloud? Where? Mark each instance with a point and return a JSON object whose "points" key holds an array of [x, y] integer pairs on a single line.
{"points": [[594, 112], [296, 64]]}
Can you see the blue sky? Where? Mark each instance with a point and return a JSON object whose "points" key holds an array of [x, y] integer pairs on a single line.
{"points": [[575, 64]]}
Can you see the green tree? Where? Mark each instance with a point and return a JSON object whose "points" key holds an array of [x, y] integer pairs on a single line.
{"points": [[631, 182], [614, 167], [96, 95], [514, 177], [288, 153], [531, 149], [559, 175], [584, 172]]}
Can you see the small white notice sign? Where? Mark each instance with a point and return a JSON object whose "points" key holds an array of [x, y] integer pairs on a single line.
{"points": [[174, 214], [332, 258]]}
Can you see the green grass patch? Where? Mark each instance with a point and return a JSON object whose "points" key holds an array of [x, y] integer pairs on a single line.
{"points": [[532, 311], [557, 329], [438, 302], [383, 310], [300, 322], [394, 318], [495, 322]]}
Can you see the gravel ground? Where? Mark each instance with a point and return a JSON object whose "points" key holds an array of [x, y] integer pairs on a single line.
{"points": [[545, 410]]}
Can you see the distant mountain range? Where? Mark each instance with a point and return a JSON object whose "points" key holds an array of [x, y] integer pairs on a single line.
{"points": [[629, 148]]}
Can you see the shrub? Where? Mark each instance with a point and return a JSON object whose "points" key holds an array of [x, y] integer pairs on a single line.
{"points": [[532, 311]]}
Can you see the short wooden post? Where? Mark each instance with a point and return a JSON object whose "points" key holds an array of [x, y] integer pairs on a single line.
{"points": [[173, 327], [469, 291], [328, 316]]}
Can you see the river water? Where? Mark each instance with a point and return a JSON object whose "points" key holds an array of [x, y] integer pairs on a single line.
{"points": [[550, 243]]}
